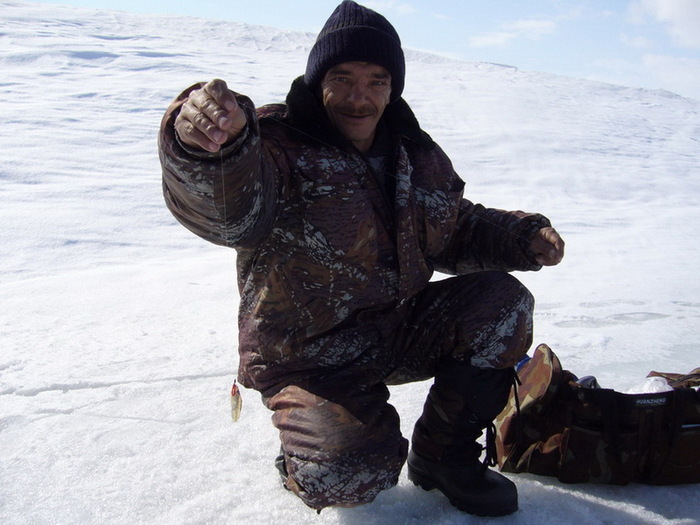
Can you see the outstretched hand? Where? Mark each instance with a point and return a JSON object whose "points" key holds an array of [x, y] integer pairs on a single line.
{"points": [[548, 247], [210, 117]]}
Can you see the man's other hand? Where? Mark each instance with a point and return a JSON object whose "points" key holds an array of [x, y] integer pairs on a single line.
{"points": [[548, 247]]}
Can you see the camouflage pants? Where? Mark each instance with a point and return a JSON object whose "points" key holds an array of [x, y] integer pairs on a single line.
{"points": [[340, 437]]}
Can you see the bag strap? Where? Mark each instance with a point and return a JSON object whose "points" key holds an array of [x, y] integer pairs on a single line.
{"points": [[682, 398], [679, 400], [607, 402]]}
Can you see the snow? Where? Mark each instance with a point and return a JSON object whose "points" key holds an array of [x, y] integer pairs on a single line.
{"points": [[118, 327]]}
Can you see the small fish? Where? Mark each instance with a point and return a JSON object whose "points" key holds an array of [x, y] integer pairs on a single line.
{"points": [[236, 402]]}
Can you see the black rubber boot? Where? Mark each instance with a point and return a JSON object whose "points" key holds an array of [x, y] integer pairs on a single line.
{"points": [[470, 488], [446, 454]]}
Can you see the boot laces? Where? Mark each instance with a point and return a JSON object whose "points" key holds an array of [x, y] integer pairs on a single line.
{"points": [[491, 456], [490, 459]]}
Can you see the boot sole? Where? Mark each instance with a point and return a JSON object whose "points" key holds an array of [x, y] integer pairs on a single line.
{"points": [[426, 483]]}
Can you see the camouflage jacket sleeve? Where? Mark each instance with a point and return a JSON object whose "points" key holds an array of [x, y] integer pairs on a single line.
{"points": [[491, 239], [476, 238], [226, 198]]}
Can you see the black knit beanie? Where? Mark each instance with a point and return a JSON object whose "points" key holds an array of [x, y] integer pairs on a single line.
{"points": [[355, 33]]}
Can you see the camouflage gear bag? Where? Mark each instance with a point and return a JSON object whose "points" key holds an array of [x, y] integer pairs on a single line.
{"points": [[554, 426]]}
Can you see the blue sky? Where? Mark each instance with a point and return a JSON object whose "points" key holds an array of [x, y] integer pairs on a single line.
{"points": [[639, 43]]}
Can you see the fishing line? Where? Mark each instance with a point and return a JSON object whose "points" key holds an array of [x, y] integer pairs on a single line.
{"points": [[223, 196], [235, 397]]}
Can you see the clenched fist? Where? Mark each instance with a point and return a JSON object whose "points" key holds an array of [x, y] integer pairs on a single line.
{"points": [[210, 117], [548, 247]]}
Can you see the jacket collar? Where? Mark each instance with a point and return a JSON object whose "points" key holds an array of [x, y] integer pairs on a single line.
{"points": [[306, 115]]}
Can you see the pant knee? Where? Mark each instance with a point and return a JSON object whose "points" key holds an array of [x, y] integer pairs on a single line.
{"points": [[332, 457], [500, 333], [347, 479], [505, 340]]}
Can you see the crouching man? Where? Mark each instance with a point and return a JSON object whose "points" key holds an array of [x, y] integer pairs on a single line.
{"points": [[340, 208]]}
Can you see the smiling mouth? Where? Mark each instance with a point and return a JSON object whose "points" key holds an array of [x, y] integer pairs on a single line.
{"points": [[354, 117]]}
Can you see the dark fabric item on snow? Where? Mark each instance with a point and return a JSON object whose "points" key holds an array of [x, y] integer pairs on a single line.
{"points": [[676, 380], [595, 434], [355, 33]]}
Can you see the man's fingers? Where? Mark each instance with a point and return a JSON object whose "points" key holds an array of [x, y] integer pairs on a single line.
{"points": [[222, 106], [193, 137], [548, 247], [554, 238], [200, 140], [210, 117], [201, 101], [195, 128], [219, 91]]}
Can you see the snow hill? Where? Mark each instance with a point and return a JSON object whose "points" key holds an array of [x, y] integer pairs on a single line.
{"points": [[117, 326]]}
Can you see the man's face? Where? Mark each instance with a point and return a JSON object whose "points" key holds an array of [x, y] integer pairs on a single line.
{"points": [[354, 95]]}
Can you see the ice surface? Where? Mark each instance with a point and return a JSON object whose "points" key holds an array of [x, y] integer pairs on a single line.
{"points": [[118, 327]]}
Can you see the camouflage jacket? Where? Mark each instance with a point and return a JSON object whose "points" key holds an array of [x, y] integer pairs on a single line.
{"points": [[319, 245]]}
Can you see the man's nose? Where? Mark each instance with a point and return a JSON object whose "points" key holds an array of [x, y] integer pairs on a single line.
{"points": [[358, 92]]}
